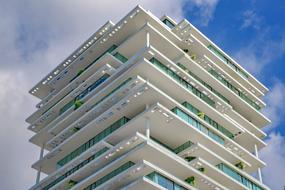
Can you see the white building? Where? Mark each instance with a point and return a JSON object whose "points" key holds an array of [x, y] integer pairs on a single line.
{"points": [[149, 103]]}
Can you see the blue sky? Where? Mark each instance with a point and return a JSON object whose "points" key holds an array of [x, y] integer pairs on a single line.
{"points": [[37, 35]]}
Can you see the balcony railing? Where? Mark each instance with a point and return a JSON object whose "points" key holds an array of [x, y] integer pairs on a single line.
{"points": [[193, 122], [225, 60], [183, 147], [112, 92], [112, 48], [93, 141], [203, 83], [183, 82], [76, 168], [84, 93], [164, 182], [234, 89], [176, 150], [120, 57], [168, 23], [110, 175], [238, 177], [208, 119], [86, 121]]}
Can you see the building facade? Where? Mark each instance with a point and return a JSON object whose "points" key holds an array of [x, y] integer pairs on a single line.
{"points": [[149, 103]]}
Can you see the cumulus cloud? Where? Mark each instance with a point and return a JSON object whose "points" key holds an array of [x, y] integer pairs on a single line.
{"points": [[206, 9], [274, 153], [35, 37], [16, 154], [262, 49], [275, 100], [260, 52], [274, 156]]}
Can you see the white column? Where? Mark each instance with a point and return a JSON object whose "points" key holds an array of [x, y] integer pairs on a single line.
{"points": [[259, 169], [39, 171], [147, 124], [147, 39]]}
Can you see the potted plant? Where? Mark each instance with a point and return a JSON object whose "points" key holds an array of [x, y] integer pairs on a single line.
{"points": [[77, 104], [193, 56], [203, 170], [71, 183], [80, 72], [75, 129], [190, 158], [240, 165], [190, 180], [201, 114]]}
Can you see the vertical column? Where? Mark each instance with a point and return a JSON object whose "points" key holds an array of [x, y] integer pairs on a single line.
{"points": [[259, 169], [147, 39], [39, 171], [147, 124]]}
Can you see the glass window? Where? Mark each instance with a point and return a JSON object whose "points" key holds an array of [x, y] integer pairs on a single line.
{"points": [[168, 23]]}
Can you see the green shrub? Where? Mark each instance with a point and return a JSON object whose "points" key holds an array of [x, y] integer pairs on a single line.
{"points": [[190, 180], [190, 158], [77, 104]]}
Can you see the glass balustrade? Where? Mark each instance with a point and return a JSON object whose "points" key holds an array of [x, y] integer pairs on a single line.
{"points": [[208, 119], [164, 181], [183, 82], [112, 48], [168, 23], [120, 57], [110, 175], [97, 83], [182, 147], [176, 150], [227, 61], [116, 125], [75, 129], [234, 89], [84, 93], [238, 177], [203, 83], [76, 168], [57, 102], [112, 92], [193, 122]]}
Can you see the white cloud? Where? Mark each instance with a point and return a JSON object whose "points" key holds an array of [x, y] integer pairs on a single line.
{"points": [[251, 19], [16, 153], [35, 37], [274, 156], [274, 153], [275, 101], [260, 52], [262, 49], [206, 9]]}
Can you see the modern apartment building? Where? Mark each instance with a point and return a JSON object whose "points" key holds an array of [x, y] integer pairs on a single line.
{"points": [[149, 103]]}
